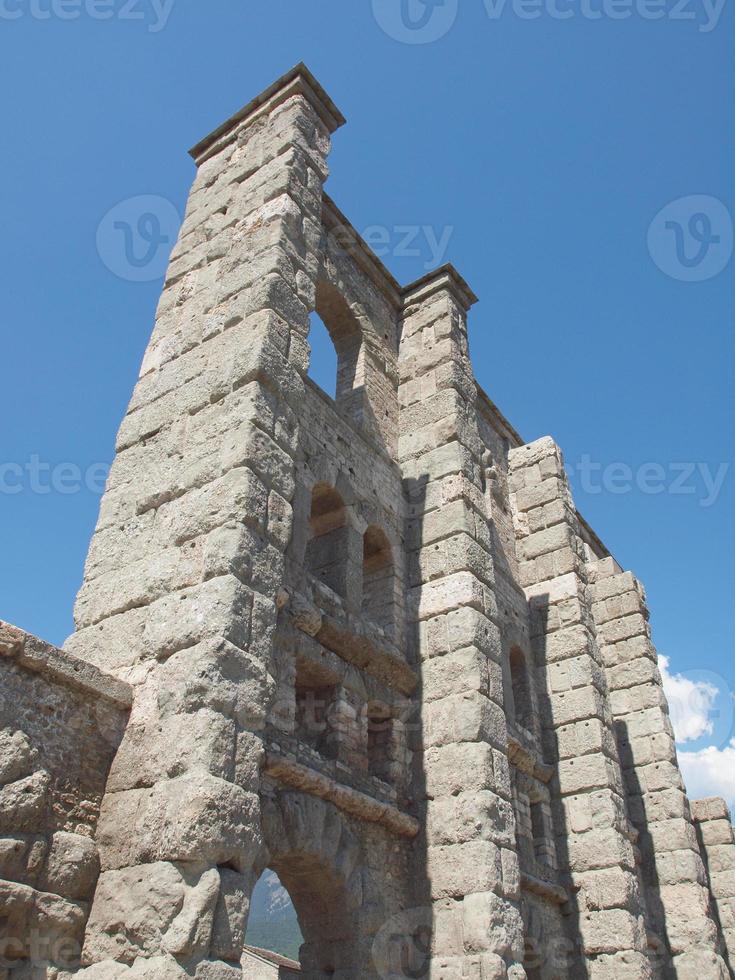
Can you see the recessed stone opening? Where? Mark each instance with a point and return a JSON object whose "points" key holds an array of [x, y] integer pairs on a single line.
{"points": [[378, 579], [380, 741], [321, 906], [521, 689], [323, 363], [315, 697], [543, 844], [326, 552], [344, 331]]}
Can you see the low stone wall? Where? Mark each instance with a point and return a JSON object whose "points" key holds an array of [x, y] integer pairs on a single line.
{"points": [[61, 721], [259, 964], [717, 841]]}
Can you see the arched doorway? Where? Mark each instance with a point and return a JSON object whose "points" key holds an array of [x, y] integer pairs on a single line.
{"points": [[272, 922], [318, 856]]}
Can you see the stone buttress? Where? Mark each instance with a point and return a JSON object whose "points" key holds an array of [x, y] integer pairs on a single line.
{"points": [[681, 917]]}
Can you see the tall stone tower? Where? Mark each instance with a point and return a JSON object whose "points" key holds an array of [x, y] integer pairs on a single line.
{"points": [[371, 644]]}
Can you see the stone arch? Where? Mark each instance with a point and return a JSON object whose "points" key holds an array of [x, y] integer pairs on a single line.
{"points": [[318, 896], [318, 858], [344, 329], [378, 579], [323, 356], [364, 338], [327, 548], [272, 923]]}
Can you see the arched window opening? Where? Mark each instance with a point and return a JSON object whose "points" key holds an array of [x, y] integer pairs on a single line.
{"points": [[324, 914], [326, 553], [273, 928], [315, 697], [521, 684], [378, 580], [380, 741], [345, 338], [323, 363]]}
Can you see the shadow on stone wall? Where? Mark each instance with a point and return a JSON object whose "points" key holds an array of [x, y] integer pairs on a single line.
{"points": [[413, 957], [660, 949], [565, 959]]}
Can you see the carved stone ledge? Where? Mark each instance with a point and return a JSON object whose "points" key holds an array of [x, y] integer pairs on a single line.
{"points": [[357, 804], [31, 653], [544, 889], [349, 641], [527, 761]]}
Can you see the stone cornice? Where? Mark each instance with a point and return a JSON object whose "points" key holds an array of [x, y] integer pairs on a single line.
{"points": [[292, 773], [348, 639], [36, 655], [526, 761], [544, 889], [298, 81], [447, 279]]}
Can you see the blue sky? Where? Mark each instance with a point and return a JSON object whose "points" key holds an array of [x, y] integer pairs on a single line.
{"points": [[573, 159]]}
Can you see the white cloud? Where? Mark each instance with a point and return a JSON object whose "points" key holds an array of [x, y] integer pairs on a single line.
{"points": [[710, 772], [690, 703]]}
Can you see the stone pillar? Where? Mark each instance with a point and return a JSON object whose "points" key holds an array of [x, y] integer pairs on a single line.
{"points": [[471, 867], [181, 581], [715, 832], [674, 877], [594, 835]]}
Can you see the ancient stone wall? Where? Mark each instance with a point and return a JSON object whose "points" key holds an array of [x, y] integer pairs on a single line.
{"points": [[371, 644], [243, 517], [713, 823], [680, 918], [61, 721]]}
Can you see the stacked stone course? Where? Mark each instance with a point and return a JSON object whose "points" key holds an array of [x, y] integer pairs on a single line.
{"points": [[366, 642], [61, 721]]}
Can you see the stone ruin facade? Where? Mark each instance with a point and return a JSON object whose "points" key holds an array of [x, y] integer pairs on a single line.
{"points": [[368, 643]]}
